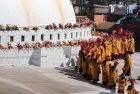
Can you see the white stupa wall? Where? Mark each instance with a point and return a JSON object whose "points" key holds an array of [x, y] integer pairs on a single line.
{"points": [[42, 57], [36, 12], [65, 35]]}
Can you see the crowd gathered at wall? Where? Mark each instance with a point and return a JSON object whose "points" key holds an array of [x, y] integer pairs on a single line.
{"points": [[95, 58]]}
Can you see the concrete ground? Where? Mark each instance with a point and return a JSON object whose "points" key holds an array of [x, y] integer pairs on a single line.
{"points": [[35, 80]]}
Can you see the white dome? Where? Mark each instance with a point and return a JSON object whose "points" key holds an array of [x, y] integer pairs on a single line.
{"points": [[36, 12]]}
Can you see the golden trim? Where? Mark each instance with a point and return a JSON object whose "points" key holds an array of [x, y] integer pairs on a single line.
{"points": [[61, 10], [26, 7]]}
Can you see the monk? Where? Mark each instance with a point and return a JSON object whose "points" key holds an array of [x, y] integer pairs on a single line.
{"points": [[128, 64], [113, 76], [131, 44], [108, 48], [100, 51], [122, 82], [131, 88], [106, 66]]}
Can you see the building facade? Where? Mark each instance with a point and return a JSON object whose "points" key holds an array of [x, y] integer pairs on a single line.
{"points": [[83, 7]]}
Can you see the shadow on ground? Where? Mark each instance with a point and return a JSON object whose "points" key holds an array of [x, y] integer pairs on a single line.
{"points": [[75, 75]]}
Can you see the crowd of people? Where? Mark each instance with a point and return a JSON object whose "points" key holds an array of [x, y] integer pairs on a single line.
{"points": [[95, 58]]}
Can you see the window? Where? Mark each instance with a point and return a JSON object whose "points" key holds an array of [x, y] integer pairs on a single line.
{"points": [[42, 37], [33, 37], [80, 34], [65, 35], [22, 38], [76, 34], [84, 33], [58, 36], [0, 39], [71, 35], [11, 38], [51, 36], [88, 33]]}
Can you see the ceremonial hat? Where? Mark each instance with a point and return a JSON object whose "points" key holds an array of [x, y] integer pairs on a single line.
{"points": [[107, 57], [82, 46], [93, 52], [106, 36], [98, 40], [120, 28], [132, 80], [114, 31], [131, 33], [124, 70], [92, 43], [116, 62]]}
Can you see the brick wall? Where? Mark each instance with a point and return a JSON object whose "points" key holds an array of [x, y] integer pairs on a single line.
{"points": [[100, 18]]}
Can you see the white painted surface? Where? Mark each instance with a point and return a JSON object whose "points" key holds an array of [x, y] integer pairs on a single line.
{"points": [[5, 36], [36, 12], [44, 57]]}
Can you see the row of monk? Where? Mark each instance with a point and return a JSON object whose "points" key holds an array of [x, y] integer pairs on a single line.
{"points": [[95, 57]]}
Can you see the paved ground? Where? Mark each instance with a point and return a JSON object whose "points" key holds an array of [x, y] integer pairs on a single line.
{"points": [[35, 80]]}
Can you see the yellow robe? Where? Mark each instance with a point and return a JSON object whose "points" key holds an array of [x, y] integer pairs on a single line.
{"points": [[84, 67], [105, 71], [122, 84], [90, 67], [114, 47], [89, 61], [92, 63], [132, 45], [80, 59], [101, 53], [126, 45], [132, 91], [128, 62], [96, 71], [123, 47], [119, 48], [108, 48], [94, 49], [113, 77], [84, 64]]}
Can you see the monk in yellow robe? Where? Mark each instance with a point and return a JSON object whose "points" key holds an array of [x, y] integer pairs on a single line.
{"points": [[119, 48], [100, 53], [108, 48], [84, 64], [128, 64], [95, 66], [81, 59], [131, 45], [89, 61], [123, 48], [93, 73], [113, 76], [96, 72], [131, 89], [114, 48], [126, 45], [106, 66], [122, 82]]}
